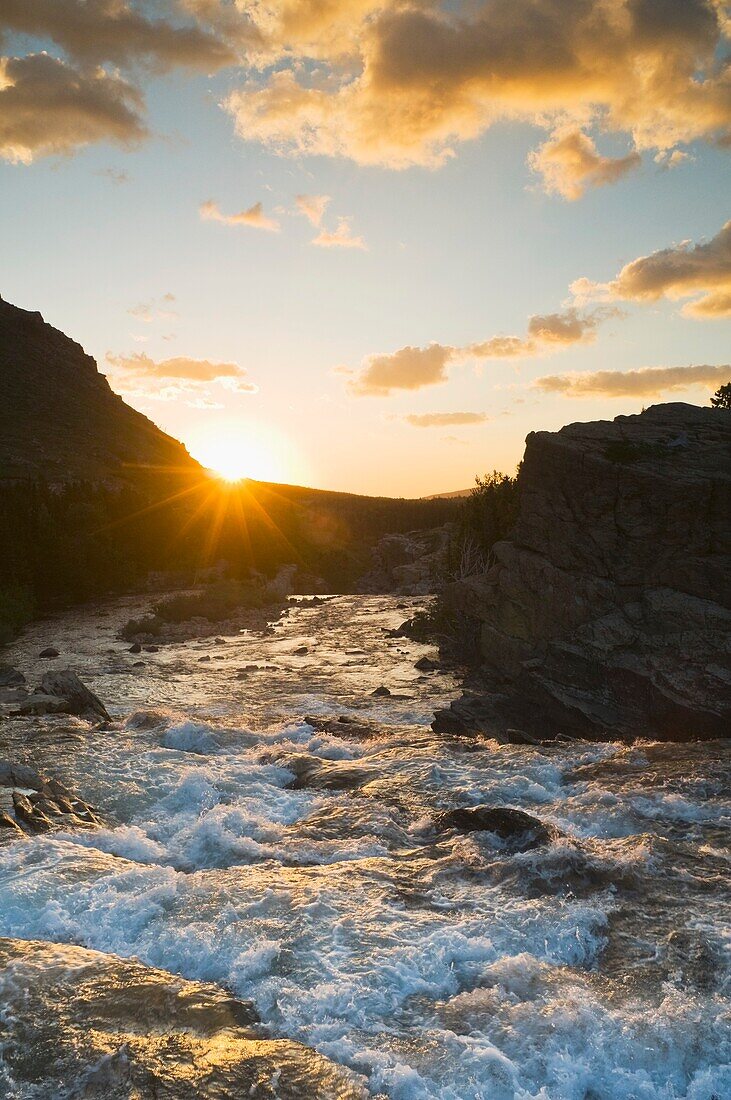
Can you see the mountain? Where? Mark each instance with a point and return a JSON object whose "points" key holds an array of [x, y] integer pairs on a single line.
{"points": [[60, 420], [449, 496]]}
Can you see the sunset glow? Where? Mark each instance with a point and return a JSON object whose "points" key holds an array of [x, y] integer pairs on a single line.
{"points": [[244, 451]]}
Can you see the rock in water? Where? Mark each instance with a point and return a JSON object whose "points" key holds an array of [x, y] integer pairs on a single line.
{"points": [[607, 611], [10, 677], [381, 691], [504, 821], [65, 684], [91, 1025], [48, 652]]}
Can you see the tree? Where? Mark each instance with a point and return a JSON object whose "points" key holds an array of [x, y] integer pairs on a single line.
{"points": [[722, 397]]}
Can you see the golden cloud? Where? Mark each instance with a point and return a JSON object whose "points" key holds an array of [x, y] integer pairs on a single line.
{"points": [[569, 164], [313, 207], [94, 31], [701, 272], [644, 382], [406, 369], [340, 237], [181, 369], [412, 368], [254, 216], [403, 83], [47, 106]]}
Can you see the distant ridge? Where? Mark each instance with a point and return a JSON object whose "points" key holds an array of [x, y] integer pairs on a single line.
{"points": [[59, 418], [449, 496]]}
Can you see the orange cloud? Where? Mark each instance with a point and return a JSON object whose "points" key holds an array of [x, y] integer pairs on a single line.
{"points": [[406, 369], [254, 216], [181, 369], [313, 207], [570, 164], [644, 382], [701, 272], [341, 237], [443, 74], [47, 106]]}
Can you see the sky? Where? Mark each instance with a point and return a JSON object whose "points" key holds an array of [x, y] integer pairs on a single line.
{"points": [[370, 246]]}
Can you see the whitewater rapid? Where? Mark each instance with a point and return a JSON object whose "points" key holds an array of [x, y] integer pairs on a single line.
{"points": [[436, 965]]}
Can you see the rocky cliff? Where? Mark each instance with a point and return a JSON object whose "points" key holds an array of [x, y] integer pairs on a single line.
{"points": [[608, 611], [60, 420]]}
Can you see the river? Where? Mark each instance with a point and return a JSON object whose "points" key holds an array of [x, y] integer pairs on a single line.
{"points": [[434, 964]]}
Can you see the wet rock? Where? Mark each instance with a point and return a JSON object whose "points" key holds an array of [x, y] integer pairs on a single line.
{"points": [[48, 652], [8, 822], [152, 649], [206, 657], [381, 691], [10, 677], [301, 651], [344, 726], [13, 695], [325, 775], [40, 703], [504, 821], [66, 685], [82, 1024], [135, 648], [426, 664], [29, 814], [50, 805], [138, 664]]}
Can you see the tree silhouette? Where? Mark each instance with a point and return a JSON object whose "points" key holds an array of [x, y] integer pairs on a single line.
{"points": [[722, 397]]}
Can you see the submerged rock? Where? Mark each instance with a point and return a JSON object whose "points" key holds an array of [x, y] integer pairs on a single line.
{"points": [[41, 702], [82, 1024], [326, 775], [505, 821], [135, 648], [48, 652]]}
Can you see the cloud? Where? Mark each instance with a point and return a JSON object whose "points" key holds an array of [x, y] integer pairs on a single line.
{"points": [[313, 207], [254, 216], [701, 272], [443, 74], [150, 311], [443, 420], [414, 368], [644, 382], [47, 106], [341, 237], [94, 31], [570, 164], [141, 367], [406, 369]]}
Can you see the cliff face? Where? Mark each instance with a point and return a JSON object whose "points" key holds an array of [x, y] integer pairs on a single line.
{"points": [[608, 611], [60, 420]]}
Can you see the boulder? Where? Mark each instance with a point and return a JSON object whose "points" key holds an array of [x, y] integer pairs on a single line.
{"points": [[507, 823], [135, 648], [324, 775], [48, 652], [40, 703], [10, 677], [66, 685]]}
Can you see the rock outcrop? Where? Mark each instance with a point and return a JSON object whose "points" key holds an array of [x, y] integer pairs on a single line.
{"points": [[78, 1023], [608, 611], [407, 564]]}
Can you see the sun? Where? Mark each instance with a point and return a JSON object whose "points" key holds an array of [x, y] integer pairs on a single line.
{"points": [[238, 452]]}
